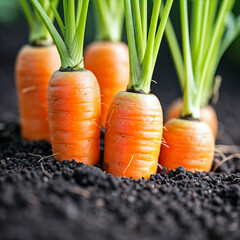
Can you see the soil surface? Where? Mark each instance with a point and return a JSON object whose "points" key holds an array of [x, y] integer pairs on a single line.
{"points": [[41, 198]]}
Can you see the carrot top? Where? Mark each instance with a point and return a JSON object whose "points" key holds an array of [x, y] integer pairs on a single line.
{"points": [[143, 45], [39, 34], [109, 16], [70, 46], [213, 28]]}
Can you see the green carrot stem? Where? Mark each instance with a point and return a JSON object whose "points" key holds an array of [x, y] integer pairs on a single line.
{"points": [[175, 53], [139, 33], [199, 54], [135, 67], [217, 35], [38, 33], [143, 59], [196, 26], [189, 108], [70, 48], [109, 16]]}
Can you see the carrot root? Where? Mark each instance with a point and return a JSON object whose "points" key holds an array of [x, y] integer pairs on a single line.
{"points": [[190, 144], [74, 116], [133, 135], [34, 67]]}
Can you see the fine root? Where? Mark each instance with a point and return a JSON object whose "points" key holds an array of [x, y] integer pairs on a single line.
{"points": [[230, 157], [108, 122], [128, 166]]}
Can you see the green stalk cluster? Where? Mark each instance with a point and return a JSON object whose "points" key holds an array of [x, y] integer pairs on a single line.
{"points": [[70, 46], [39, 34], [213, 28], [143, 46], [109, 17]]}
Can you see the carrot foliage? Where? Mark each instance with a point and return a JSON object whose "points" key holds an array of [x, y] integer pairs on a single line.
{"points": [[39, 34], [109, 16], [144, 45], [71, 39], [213, 28]]}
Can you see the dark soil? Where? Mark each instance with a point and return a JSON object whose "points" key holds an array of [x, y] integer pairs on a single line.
{"points": [[41, 198]]}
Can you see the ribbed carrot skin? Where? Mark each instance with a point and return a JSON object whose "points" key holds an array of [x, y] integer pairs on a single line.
{"points": [[207, 114], [189, 144], [133, 135], [109, 61], [74, 111], [34, 67]]}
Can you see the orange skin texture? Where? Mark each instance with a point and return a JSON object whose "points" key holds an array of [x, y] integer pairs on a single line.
{"points": [[109, 61], [34, 67], [74, 111], [133, 135], [207, 114], [190, 144]]}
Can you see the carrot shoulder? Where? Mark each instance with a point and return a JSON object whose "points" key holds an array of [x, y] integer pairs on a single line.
{"points": [[207, 114], [34, 67], [74, 116], [133, 135]]}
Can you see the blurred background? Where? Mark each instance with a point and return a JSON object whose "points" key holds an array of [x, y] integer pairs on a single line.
{"points": [[14, 34]]}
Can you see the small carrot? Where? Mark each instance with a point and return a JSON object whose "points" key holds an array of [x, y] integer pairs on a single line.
{"points": [[34, 66], [73, 94], [207, 114], [134, 121], [108, 57], [204, 20], [189, 142]]}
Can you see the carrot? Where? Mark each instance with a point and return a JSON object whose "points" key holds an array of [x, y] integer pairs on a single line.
{"points": [[134, 121], [207, 114], [109, 61], [74, 113], [133, 135], [34, 66], [203, 26], [107, 57], [189, 142], [74, 108]]}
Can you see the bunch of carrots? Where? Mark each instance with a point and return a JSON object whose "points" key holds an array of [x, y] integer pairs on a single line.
{"points": [[67, 96]]}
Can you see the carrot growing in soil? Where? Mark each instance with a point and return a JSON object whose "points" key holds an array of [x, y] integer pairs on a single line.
{"points": [[134, 121], [191, 142], [35, 64], [74, 108], [108, 57], [203, 21]]}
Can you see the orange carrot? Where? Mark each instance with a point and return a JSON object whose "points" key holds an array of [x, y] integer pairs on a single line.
{"points": [[109, 61], [187, 143], [34, 66], [133, 135], [74, 106], [74, 116], [207, 114], [134, 122]]}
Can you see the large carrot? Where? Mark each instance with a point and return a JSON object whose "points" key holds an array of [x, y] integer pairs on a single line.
{"points": [[190, 143], [203, 24], [73, 94], [134, 121], [108, 57], [34, 66]]}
